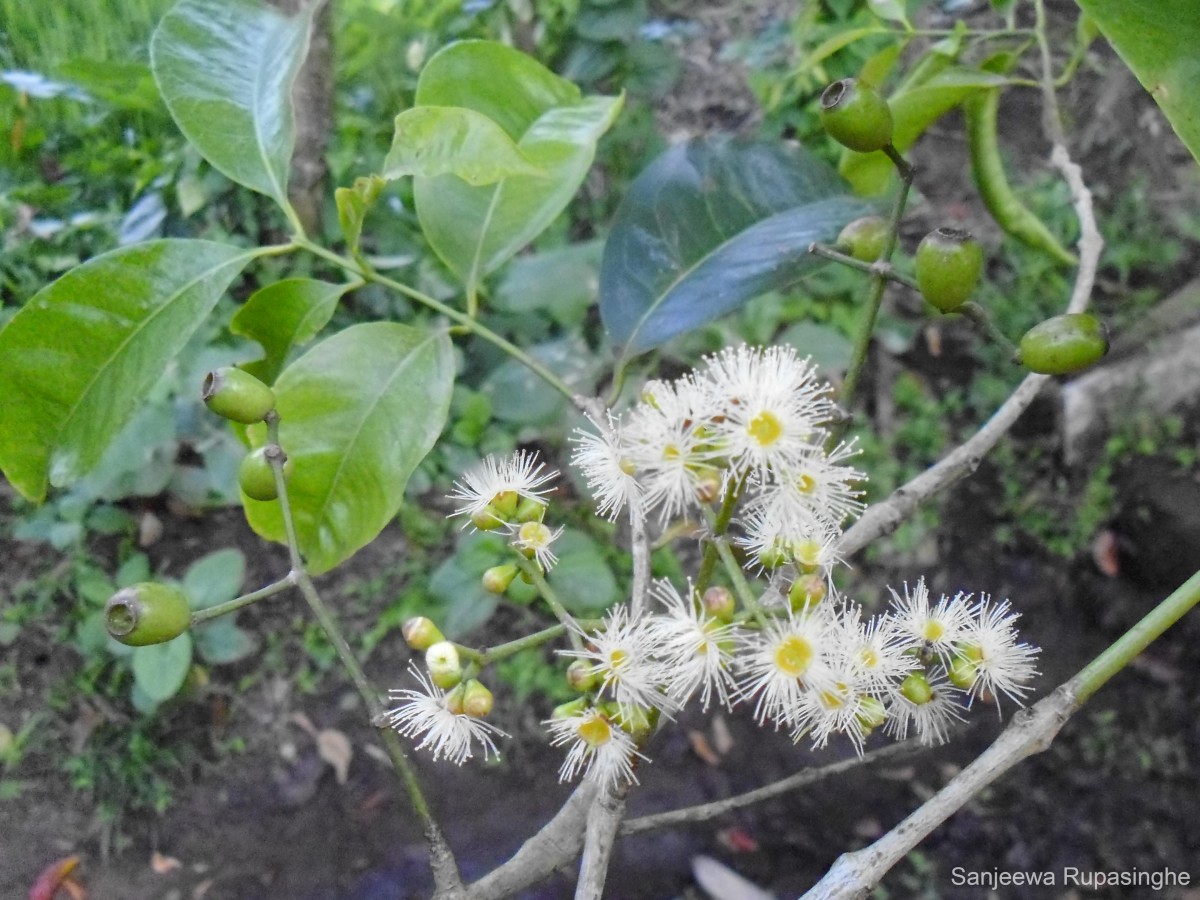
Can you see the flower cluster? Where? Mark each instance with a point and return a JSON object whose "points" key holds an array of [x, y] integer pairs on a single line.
{"points": [[753, 422]]}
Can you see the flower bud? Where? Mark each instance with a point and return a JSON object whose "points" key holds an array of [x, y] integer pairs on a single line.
{"points": [[856, 115], [256, 477], [916, 689], [487, 519], [582, 676], [445, 668], [774, 556], [636, 721], [497, 579], [477, 699], [719, 603], [807, 591], [420, 633], [963, 672], [147, 613], [235, 394], [529, 510], [569, 709], [871, 713]]}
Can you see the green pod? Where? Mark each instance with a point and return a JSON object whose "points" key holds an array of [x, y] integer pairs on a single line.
{"points": [[948, 265], [1063, 344], [256, 477], [856, 115], [995, 190], [865, 238], [147, 613], [235, 394]]}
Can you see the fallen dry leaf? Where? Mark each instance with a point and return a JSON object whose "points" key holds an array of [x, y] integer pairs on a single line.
{"points": [[54, 876], [701, 747], [335, 748], [722, 739], [163, 864]]}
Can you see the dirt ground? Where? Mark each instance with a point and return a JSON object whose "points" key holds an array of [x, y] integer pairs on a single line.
{"points": [[1119, 790]]}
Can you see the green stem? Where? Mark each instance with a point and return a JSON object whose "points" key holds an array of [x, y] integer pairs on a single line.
{"points": [[866, 325], [741, 587], [1137, 638], [221, 609], [466, 321], [548, 594], [445, 870], [982, 321], [733, 493], [875, 268]]}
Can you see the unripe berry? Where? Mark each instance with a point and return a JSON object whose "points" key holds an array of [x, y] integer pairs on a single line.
{"points": [[949, 262], [420, 633], [864, 238], [719, 603], [477, 699], [1063, 344], [497, 579], [856, 115], [582, 676], [236, 394], [147, 613], [807, 591], [256, 477]]}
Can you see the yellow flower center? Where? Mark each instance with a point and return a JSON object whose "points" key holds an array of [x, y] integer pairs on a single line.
{"points": [[534, 535], [933, 630], [617, 659], [595, 732], [793, 656], [807, 552], [672, 452], [806, 484], [765, 428], [870, 659]]}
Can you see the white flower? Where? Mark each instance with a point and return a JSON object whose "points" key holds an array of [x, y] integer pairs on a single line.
{"points": [[812, 544], [773, 407], [838, 709], [425, 713], [790, 657], [938, 628], [537, 540], [818, 488], [622, 656], [931, 717], [608, 470], [989, 650], [695, 649], [875, 652], [599, 748], [498, 486]]}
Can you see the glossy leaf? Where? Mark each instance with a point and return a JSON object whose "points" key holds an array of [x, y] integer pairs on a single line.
{"points": [[225, 69], [1158, 42], [709, 225], [358, 412], [283, 316], [440, 140], [160, 669], [474, 229], [913, 110], [81, 355]]}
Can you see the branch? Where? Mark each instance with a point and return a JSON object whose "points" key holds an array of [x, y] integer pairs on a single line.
{"points": [[704, 811], [603, 821], [558, 842], [884, 518]]}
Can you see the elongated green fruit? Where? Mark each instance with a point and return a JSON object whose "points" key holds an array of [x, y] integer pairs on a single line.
{"points": [[147, 613], [856, 115], [235, 394], [1063, 344], [994, 188]]}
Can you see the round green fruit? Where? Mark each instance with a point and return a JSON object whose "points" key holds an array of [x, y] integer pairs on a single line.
{"points": [[147, 613], [949, 263], [1063, 344], [856, 116], [236, 394], [257, 478], [864, 238]]}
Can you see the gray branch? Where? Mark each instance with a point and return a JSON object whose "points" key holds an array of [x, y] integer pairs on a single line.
{"points": [[603, 821]]}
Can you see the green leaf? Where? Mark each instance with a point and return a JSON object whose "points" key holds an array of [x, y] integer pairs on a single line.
{"points": [[913, 111], [582, 578], [82, 354], [519, 396], [474, 229], [215, 578], [352, 206], [562, 283], [710, 224], [890, 10], [225, 69], [439, 140], [283, 316], [1158, 41], [464, 603], [358, 412], [220, 641], [160, 669]]}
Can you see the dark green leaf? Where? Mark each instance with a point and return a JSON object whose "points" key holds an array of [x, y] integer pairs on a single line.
{"points": [[456, 584], [440, 140], [1159, 42], [582, 578], [710, 224], [220, 641], [160, 669], [225, 69], [475, 229], [215, 578], [358, 412], [520, 396], [283, 316], [82, 354]]}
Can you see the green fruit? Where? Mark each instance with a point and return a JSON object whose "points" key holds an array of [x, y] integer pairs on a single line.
{"points": [[257, 478], [856, 115], [147, 613], [949, 262], [864, 238], [1064, 344], [235, 394]]}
